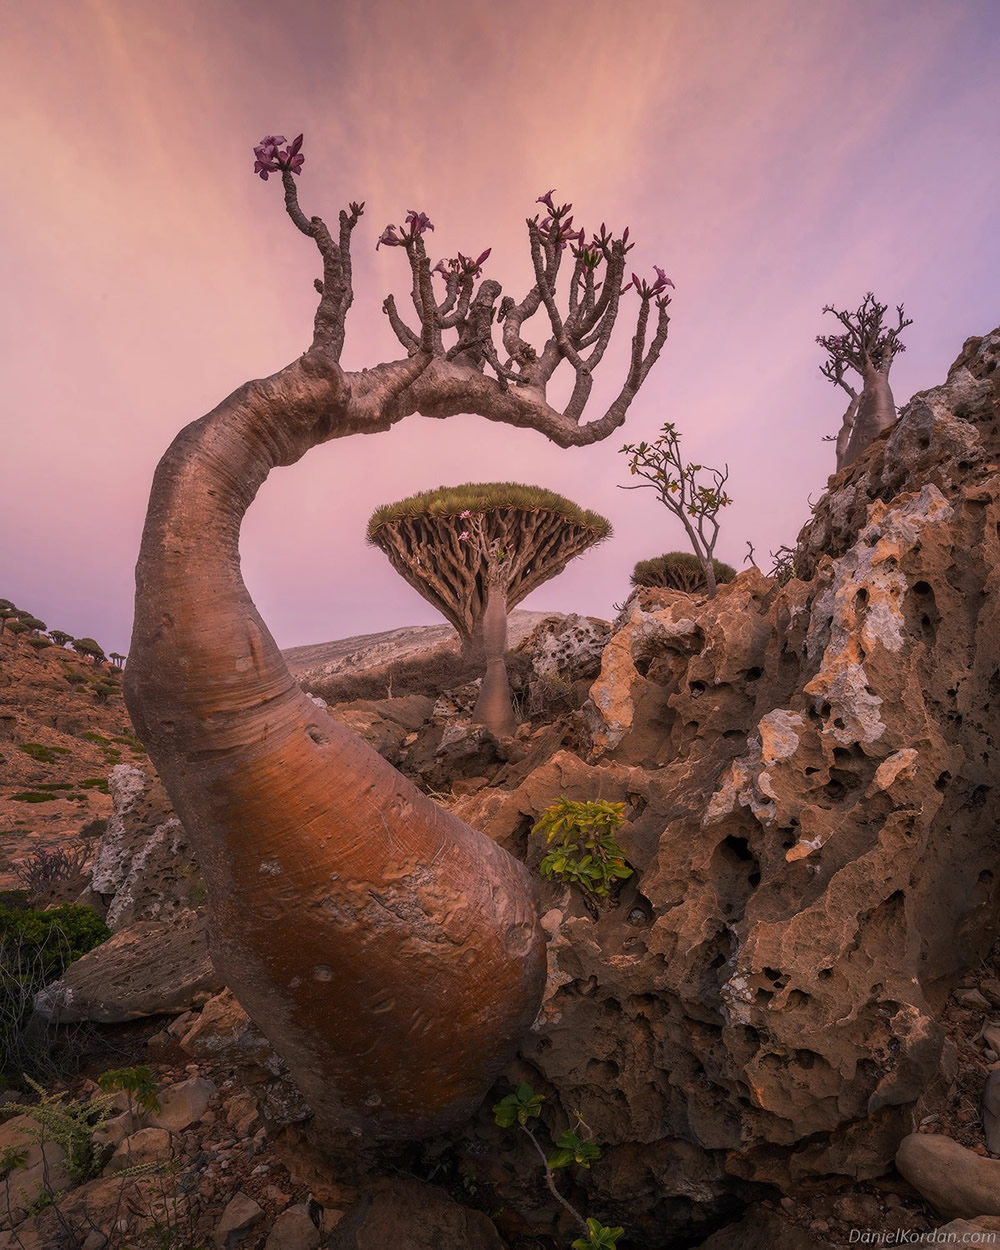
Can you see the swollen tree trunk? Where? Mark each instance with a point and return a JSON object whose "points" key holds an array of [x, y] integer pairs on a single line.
{"points": [[846, 429], [876, 412], [493, 707], [391, 954]]}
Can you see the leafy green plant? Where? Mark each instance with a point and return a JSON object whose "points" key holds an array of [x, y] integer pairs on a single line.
{"points": [[586, 852], [32, 796], [95, 828], [524, 1105], [599, 1237], [72, 1125], [35, 949], [138, 1085]]}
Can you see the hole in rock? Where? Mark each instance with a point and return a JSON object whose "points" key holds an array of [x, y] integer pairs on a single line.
{"points": [[773, 975], [942, 780], [861, 600], [825, 974], [797, 998], [642, 665], [807, 1058], [753, 674], [696, 689], [602, 1070]]}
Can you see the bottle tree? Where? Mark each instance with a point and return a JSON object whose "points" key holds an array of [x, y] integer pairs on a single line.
{"points": [[393, 956], [696, 504], [475, 551], [868, 347]]}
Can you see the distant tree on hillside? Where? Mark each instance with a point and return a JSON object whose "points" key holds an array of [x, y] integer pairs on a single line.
{"points": [[33, 622], [868, 348], [60, 637], [7, 613], [695, 505], [475, 551], [679, 570], [87, 646], [116, 659]]}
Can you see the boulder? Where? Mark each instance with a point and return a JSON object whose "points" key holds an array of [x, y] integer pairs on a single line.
{"points": [[241, 1214], [404, 1212], [764, 1229], [150, 968], [42, 1170], [293, 1230], [954, 1179]]}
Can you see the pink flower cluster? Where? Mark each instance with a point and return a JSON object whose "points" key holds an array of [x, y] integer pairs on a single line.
{"points": [[647, 291], [463, 265], [270, 160], [553, 229], [417, 222]]}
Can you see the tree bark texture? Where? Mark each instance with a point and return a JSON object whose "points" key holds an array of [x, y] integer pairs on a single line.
{"points": [[876, 413], [390, 953], [493, 707]]}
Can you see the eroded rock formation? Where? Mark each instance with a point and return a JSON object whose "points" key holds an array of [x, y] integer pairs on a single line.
{"points": [[812, 769]]}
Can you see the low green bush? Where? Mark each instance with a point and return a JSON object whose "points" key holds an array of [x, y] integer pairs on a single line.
{"points": [[41, 753], [35, 948]]}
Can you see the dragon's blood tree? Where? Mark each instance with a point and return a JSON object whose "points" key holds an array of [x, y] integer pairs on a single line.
{"points": [[679, 570], [392, 955], [474, 552], [868, 347]]}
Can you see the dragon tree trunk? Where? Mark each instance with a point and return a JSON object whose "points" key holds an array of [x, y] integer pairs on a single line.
{"points": [[493, 707], [876, 413], [390, 953]]}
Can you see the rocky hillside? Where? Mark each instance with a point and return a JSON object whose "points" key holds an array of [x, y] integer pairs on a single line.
{"points": [[63, 727]]}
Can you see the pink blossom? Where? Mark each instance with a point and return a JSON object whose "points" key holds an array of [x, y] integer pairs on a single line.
{"points": [[464, 514], [463, 536]]}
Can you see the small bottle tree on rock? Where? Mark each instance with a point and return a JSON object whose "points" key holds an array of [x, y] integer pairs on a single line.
{"points": [[868, 348], [695, 505], [475, 551]]}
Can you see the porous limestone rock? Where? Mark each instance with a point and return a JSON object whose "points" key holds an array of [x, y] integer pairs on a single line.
{"points": [[817, 847], [569, 647], [144, 868]]}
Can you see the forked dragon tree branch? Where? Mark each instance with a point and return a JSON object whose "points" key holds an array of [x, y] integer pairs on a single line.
{"points": [[392, 954]]}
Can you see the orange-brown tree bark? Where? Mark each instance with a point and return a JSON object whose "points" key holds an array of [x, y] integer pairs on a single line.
{"points": [[391, 954]]}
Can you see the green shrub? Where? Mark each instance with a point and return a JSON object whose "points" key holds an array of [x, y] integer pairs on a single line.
{"points": [[41, 753], [586, 851], [96, 828], [32, 796], [95, 783], [35, 949]]}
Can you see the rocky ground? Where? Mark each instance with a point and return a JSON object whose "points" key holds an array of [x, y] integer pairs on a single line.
{"points": [[61, 731]]}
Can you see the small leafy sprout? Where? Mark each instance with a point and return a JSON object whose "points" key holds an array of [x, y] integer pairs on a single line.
{"points": [[572, 1149], [599, 1237], [137, 1082], [587, 853], [520, 1107]]}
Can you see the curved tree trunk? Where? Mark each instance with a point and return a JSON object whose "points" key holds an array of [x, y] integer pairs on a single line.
{"points": [[391, 954], [876, 413], [493, 707], [846, 429]]}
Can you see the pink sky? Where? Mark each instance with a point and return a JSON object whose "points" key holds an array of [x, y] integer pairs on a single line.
{"points": [[772, 155]]}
